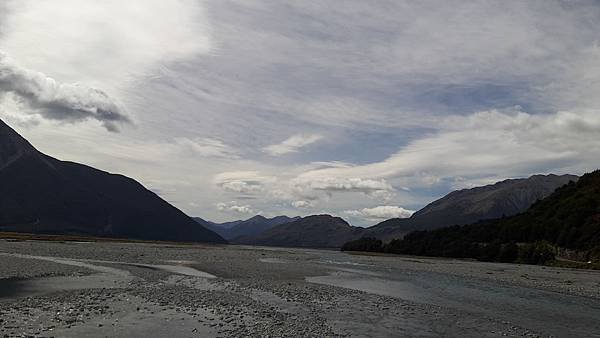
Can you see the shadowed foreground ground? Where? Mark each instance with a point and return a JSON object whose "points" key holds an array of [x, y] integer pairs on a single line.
{"points": [[76, 289]]}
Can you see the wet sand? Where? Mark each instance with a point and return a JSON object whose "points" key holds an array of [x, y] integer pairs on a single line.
{"points": [[54, 289]]}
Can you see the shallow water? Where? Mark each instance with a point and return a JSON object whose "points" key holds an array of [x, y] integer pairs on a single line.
{"points": [[273, 260], [549, 312], [17, 288], [106, 277], [72, 262], [176, 269]]}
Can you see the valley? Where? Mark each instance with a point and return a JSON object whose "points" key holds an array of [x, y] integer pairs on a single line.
{"points": [[299, 168]]}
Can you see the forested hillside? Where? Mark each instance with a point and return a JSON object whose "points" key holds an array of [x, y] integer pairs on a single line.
{"points": [[569, 218]]}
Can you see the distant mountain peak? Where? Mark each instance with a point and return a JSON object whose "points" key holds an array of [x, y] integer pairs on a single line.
{"points": [[326, 217], [250, 227], [316, 231]]}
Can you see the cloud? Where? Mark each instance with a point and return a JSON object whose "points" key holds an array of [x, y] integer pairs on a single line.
{"points": [[83, 68], [234, 207], [246, 182], [415, 94], [242, 186], [173, 150], [10, 112], [402, 63], [207, 147], [366, 186], [288, 188], [292, 144], [295, 190], [381, 212], [302, 204], [491, 143], [307, 186], [73, 41], [58, 101]]}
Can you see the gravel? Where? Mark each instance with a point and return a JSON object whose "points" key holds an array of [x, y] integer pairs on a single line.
{"points": [[258, 292]]}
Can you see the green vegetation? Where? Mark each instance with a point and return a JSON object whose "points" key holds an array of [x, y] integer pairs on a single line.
{"points": [[569, 218]]}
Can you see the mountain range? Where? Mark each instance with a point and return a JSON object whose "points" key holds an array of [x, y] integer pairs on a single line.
{"points": [[568, 219], [317, 231], [40, 194], [244, 228], [467, 206]]}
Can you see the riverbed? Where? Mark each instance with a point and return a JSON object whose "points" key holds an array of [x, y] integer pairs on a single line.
{"points": [[74, 289]]}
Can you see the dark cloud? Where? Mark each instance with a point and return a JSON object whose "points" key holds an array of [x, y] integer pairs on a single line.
{"points": [[58, 101]]}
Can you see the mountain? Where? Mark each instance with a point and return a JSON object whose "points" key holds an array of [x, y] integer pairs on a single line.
{"points": [[467, 206], [319, 231], [250, 227], [202, 221], [210, 224], [40, 194], [569, 218]]}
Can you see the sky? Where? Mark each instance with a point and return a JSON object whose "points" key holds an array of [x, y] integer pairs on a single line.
{"points": [[364, 110]]}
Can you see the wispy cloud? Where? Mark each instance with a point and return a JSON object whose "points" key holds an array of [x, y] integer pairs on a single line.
{"points": [[207, 147], [292, 144], [150, 152], [246, 182], [512, 142]]}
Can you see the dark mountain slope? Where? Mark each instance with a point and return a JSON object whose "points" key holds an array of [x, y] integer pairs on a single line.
{"points": [[319, 231], [41, 194], [203, 222], [506, 198]]}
